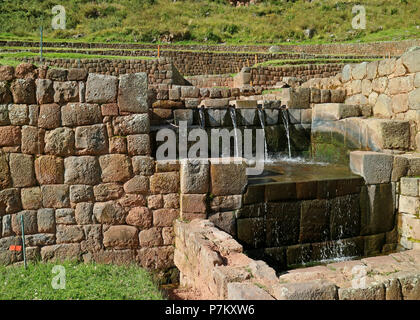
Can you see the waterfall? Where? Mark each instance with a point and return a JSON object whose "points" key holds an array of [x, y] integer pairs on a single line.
{"points": [[285, 118], [202, 118], [262, 122], [235, 127]]}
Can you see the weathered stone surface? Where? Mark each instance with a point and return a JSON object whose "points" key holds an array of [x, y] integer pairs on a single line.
{"points": [[389, 134], [31, 198], [383, 106], [81, 193], [115, 167], [81, 170], [346, 73], [10, 200], [193, 203], [44, 91], [23, 91], [374, 167], [49, 116], [57, 74], [29, 221], [140, 217], [138, 144], [5, 94], [121, 237], [107, 191], [69, 234], [22, 170], [156, 258], [129, 201], [93, 238], [411, 61], [143, 165], [194, 176], [77, 74], [246, 291], [171, 201], [227, 179], [117, 145], [40, 239], [409, 186], [59, 142], [10, 136], [334, 111], [375, 291], [65, 216], [7, 73], [132, 93], [91, 139], [132, 124], [5, 179], [164, 217], [83, 213], [109, 212], [314, 221], [137, 184], [251, 232], [18, 114], [359, 71], [80, 114], [151, 237], [61, 252], [386, 66], [101, 88], [414, 99], [32, 140], [55, 196], [49, 170], [155, 201], [46, 220], [167, 182], [67, 91], [225, 221], [311, 290]]}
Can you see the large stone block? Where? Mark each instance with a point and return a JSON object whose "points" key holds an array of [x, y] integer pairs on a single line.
{"points": [[165, 182], [121, 237], [23, 91], [60, 142], [22, 170], [377, 209], [91, 139], [61, 252], [10, 201], [151, 237], [156, 258], [132, 93], [83, 213], [101, 88], [412, 61], [138, 144], [374, 167], [334, 111], [69, 234], [109, 212], [310, 290], [165, 217], [115, 167], [389, 134], [82, 170], [137, 184], [193, 203], [414, 99], [108, 191], [246, 291], [49, 170], [49, 116], [143, 165], [32, 140], [18, 114], [132, 124], [251, 232], [31, 198], [55, 196], [296, 98], [383, 107], [140, 217], [359, 71], [227, 178], [65, 216], [29, 222], [194, 176], [46, 220], [67, 91], [79, 114], [282, 223], [10, 136], [314, 221], [81, 193]]}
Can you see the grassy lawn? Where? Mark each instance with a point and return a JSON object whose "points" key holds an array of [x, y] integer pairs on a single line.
{"points": [[204, 21], [83, 282]]}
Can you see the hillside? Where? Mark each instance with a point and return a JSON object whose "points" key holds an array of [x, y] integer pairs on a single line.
{"points": [[204, 21]]}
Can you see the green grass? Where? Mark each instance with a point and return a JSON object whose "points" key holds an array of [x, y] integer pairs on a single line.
{"points": [[83, 282], [68, 55], [210, 21], [285, 62]]}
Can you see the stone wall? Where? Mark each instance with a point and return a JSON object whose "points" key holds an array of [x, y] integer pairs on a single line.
{"points": [[76, 164], [394, 48], [388, 89]]}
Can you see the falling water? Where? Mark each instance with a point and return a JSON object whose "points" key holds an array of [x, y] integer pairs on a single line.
{"points": [[285, 117], [262, 122], [202, 118], [235, 126]]}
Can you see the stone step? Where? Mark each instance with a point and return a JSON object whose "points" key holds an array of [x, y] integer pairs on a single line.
{"points": [[334, 111]]}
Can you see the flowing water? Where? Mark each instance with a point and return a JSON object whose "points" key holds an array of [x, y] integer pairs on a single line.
{"points": [[202, 118], [285, 118], [235, 126], [262, 122]]}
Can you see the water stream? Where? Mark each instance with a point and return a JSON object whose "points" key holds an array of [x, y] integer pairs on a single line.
{"points": [[235, 127], [285, 118], [262, 122]]}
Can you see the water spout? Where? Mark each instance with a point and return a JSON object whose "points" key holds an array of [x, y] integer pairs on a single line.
{"points": [[202, 118], [285, 118], [261, 116], [235, 127]]}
